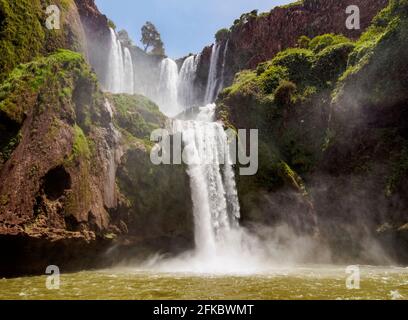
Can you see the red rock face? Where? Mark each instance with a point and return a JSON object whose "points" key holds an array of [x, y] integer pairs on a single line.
{"points": [[262, 37], [97, 34]]}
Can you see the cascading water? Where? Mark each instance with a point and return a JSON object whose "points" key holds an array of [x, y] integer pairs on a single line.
{"points": [[186, 93], [224, 62], [168, 90], [120, 77], [129, 81], [212, 84], [214, 194]]}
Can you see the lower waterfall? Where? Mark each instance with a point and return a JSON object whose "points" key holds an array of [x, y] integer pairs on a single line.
{"points": [[221, 244], [214, 194]]}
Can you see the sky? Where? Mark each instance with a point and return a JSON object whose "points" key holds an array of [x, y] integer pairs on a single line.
{"points": [[186, 26]]}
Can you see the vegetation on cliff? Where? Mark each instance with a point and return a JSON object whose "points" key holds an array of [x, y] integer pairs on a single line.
{"points": [[23, 32], [331, 106]]}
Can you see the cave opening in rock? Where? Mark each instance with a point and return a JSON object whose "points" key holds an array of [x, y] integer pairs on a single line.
{"points": [[56, 182]]}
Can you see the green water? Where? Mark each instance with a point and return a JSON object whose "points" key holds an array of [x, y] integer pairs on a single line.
{"points": [[313, 282]]}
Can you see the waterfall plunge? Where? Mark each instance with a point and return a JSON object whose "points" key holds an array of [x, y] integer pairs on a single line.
{"points": [[214, 194]]}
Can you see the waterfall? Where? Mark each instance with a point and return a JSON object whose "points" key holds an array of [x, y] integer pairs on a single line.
{"points": [[113, 154], [129, 78], [187, 77], [210, 92], [224, 62], [120, 68], [168, 91], [213, 187]]}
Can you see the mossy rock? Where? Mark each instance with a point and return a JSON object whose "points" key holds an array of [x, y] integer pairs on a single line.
{"points": [[24, 35]]}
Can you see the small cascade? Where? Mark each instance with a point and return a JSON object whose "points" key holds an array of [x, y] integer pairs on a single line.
{"points": [[120, 71], [168, 88], [129, 81], [224, 62], [186, 93], [212, 84], [113, 155]]}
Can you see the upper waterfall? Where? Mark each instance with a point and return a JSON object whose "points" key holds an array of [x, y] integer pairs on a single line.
{"points": [[120, 72], [167, 95], [186, 91], [210, 92]]}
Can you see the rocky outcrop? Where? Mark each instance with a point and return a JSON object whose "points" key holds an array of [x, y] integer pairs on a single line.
{"points": [[340, 131], [62, 143], [257, 38], [97, 32]]}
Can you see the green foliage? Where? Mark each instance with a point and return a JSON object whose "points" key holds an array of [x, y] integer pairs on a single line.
{"points": [[245, 18], [137, 115], [21, 34], [298, 62], [80, 148], [332, 61], [26, 80], [269, 80], [284, 93], [244, 84], [304, 42], [222, 35], [151, 39], [377, 66], [111, 24], [319, 43]]}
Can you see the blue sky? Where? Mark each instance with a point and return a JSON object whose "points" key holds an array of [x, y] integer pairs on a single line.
{"points": [[186, 26]]}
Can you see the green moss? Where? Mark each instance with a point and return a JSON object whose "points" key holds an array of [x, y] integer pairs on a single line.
{"points": [[137, 115], [290, 176], [25, 81], [80, 148], [8, 146], [23, 32], [379, 55]]}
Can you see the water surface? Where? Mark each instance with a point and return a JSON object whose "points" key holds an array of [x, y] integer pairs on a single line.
{"points": [[306, 283]]}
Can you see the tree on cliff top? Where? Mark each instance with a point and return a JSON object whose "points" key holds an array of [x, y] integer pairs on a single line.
{"points": [[151, 39]]}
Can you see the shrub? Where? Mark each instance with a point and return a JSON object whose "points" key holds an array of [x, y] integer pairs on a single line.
{"points": [[330, 63], [222, 35], [284, 93], [304, 42], [319, 43], [298, 62], [269, 80]]}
